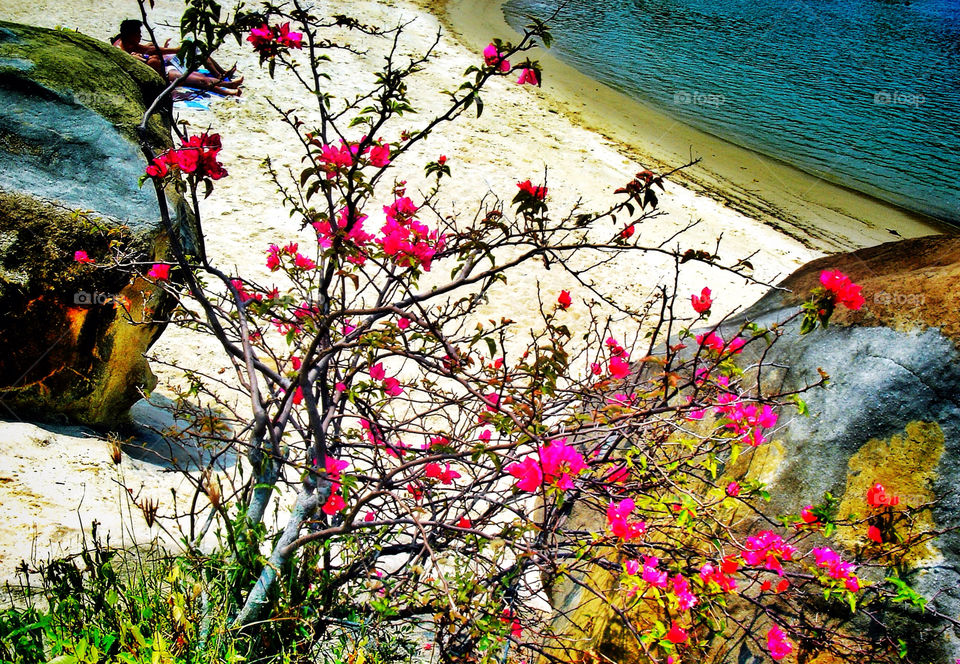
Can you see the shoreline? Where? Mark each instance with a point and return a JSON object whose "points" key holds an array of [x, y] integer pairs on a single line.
{"points": [[819, 213]]}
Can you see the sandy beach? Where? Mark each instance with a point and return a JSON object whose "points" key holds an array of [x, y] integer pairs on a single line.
{"points": [[53, 478]]}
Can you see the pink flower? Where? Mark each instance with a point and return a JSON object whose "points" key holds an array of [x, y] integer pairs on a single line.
{"points": [[369, 516], [484, 436], [334, 504], [392, 387], [877, 497], [528, 75], [676, 634], [287, 38], [873, 533], [260, 37], [777, 643], [540, 193], [157, 168], [303, 262], [403, 323], [733, 489], [464, 522], [618, 367], [493, 58], [159, 271], [620, 526], [377, 372], [767, 548], [442, 159], [81, 257], [681, 588], [445, 475], [340, 387], [845, 291], [628, 232], [564, 300], [555, 464], [492, 400], [703, 303], [651, 574], [595, 368], [516, 629], [380, 155]]}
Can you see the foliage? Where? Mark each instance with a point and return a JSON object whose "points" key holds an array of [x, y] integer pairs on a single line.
{"points": [[434, 480]]}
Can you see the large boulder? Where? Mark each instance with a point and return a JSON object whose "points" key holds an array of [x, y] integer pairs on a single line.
{"points": [[73, 335], [890, 414]]}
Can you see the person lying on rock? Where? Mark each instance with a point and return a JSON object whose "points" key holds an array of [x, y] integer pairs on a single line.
{"points": [[160, 58]]}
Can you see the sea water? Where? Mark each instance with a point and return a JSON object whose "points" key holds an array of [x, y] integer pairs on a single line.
{"points": [[865, 93]]}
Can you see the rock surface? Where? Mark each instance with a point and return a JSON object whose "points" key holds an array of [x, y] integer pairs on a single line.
{"points": [[74, 334], [890, 414]]}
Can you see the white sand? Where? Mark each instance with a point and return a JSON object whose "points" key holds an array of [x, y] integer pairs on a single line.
{"points": [[47, 479]]}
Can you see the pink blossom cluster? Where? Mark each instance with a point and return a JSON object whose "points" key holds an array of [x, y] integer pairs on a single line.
{"points": [[338, 159], [721, 575], [844, 290], [747, 420], [837, 568], [492, 57], [268, 40], [619, 523], [554, 464], [766, 548], [715, 342], [391, 386], [245, 295], [777, 643], [445, 475], [619, 364], [680, 586], [395, 450], [405, 240], [335, 502], [198, 154], [877, 497], [275, 254]]}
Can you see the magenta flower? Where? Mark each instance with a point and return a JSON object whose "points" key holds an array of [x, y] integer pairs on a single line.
{"points": [[766, 548], [160, 271], [380, 155], [844, 290], [81, 257], [703, 303], [777, 643], [493, 58], [676, 634], [619, 523], [445, 475], [555, 464], [618, 367], [528, 75]]}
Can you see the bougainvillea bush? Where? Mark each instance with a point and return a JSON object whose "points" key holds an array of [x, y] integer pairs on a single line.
{"points": [[409, 477]]}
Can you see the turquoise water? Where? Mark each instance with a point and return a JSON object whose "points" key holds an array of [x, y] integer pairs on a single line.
{"points": [[865, 93]]}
